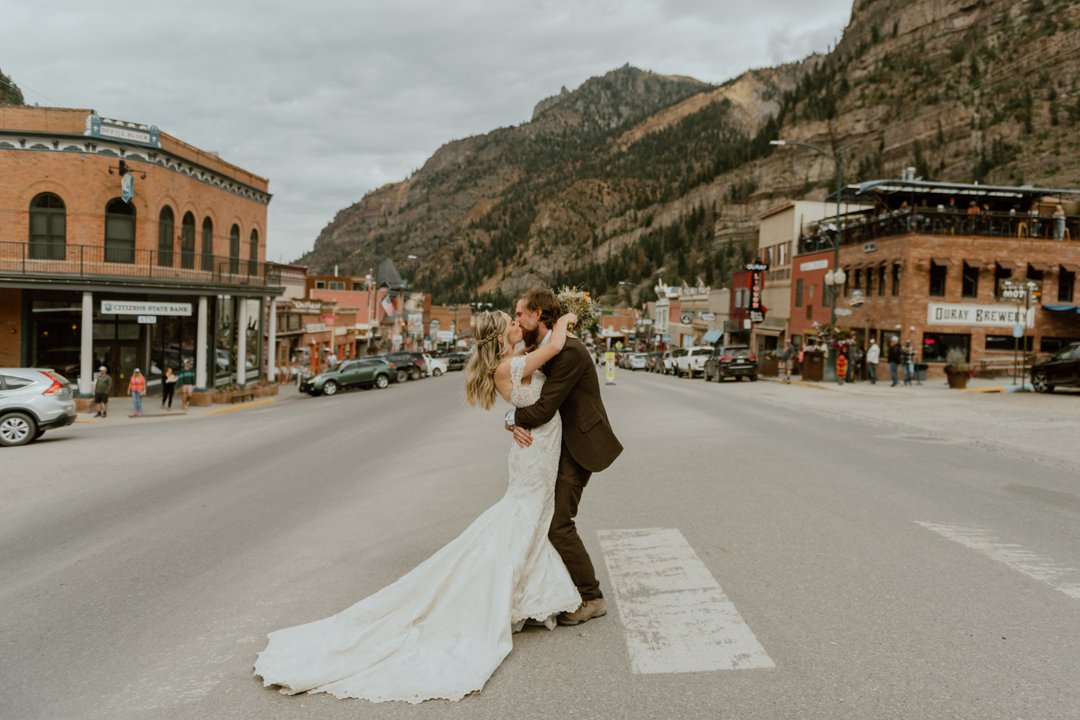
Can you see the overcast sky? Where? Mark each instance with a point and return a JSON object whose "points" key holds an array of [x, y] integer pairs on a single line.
{"points": [[331, 99]]}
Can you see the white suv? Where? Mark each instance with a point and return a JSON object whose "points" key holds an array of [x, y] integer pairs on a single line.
{"points": [[691, 363], [31, 402]]}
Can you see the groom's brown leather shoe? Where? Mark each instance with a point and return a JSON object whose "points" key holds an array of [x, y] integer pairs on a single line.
{"points": [[589, 609]]}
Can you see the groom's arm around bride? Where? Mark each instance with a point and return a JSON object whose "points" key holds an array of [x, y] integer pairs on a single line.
{"points": [[588, 445]]}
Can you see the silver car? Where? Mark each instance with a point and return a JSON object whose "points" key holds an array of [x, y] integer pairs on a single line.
{"points": [[32, 401]]}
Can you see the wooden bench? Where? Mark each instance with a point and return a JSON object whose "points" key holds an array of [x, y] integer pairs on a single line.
{"points": [[994, 367], [241, 396]]}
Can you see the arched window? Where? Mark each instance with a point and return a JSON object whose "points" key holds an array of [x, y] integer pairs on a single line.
{"points": [[48, 228], [253, 254], [166, 226], [187, 242], [234, 250], [119, 232], [208, 245]]}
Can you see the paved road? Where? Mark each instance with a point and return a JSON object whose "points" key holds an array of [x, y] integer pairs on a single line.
{"points": [[769, 551]]}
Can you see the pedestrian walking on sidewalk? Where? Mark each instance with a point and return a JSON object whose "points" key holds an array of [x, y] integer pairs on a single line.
{"points": [[168, 387], [102, 388], [873, 355], [137, 388], [786, 357], [894, 359], [908, 355], [186, 380], [841, 364]]}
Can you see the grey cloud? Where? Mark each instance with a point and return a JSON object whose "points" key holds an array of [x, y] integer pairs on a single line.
{"points": [[334, 98]]}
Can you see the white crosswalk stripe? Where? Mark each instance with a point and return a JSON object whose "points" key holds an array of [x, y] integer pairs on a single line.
{"points": [[1059, 577], [676, 616]]}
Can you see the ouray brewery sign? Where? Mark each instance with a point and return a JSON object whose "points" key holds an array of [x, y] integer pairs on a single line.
{"points": [[979, 315]]}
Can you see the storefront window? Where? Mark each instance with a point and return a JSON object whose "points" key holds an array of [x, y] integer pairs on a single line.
{"points": [[1053, 344], [254, 337], [119, 232], [56, 341], [48, 228], [937, 345], [253, 253], [1008, 342], [225, 342], [165, 237], [187, 242], [234, 250], [208, 245]]}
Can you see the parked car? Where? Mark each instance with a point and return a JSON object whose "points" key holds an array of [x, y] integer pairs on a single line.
{"points": [[736, 361], [456, 360], [1062, 368], [668, 364], [410, 365], [33, 400], [435, 366], [365, 372], [691, 363], [637, 361], [654, 359]]}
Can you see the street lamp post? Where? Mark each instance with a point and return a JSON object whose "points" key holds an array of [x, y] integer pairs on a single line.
{"points": [[835, 278]]}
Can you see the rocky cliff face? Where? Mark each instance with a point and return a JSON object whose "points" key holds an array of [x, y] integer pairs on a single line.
{"points": [[634, 174], [10, 94]]}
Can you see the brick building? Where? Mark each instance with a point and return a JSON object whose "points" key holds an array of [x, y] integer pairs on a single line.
{"points": [[920, 268], [125, 247]]}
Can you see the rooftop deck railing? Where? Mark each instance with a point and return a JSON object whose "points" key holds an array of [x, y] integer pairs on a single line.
{"points": [[866, 227], [95, 261]]}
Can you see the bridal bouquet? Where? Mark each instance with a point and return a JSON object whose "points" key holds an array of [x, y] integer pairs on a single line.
{"points": [[573, 300]]}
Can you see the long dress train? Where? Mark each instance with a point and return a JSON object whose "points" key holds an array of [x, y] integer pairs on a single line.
{"points": [[443, 628]]}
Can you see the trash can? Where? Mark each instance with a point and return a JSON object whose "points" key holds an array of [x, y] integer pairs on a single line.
{"points": [[920, 372], [813, 366]]}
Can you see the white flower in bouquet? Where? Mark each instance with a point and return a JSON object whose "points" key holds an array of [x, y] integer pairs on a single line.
{"points": [[573, 300]]}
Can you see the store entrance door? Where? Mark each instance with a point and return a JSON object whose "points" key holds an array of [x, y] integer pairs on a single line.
{"points": [[120, 358]]}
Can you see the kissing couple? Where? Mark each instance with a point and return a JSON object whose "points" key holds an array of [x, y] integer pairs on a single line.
{"points": [[442, 629]]}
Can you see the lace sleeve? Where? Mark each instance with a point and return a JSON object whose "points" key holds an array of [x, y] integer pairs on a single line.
{"points": [[517, 369]]}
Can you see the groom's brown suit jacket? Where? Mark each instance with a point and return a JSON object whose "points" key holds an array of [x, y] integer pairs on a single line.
{"points": [[572, 390]]}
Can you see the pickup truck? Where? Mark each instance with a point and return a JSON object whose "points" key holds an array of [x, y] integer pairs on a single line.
{"points": [[691, 363]]}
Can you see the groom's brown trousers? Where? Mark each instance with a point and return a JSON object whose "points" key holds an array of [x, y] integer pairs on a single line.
{"points": [[563, 534]]}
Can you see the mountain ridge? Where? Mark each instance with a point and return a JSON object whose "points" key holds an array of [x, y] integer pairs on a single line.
{"points": [[634, 175]]}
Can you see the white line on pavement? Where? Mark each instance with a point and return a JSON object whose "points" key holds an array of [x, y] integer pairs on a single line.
{"points": [[677, 618], [1016, 557]]}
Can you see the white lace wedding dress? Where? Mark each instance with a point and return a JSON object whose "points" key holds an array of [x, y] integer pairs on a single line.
{"points": [[442, 629]]}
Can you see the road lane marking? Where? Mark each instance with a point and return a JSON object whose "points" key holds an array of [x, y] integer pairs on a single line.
{"points": [[1048, 572], [677, 618]]}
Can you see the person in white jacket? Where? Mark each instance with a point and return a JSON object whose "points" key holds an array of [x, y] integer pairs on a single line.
{"points": [[873, 354]]}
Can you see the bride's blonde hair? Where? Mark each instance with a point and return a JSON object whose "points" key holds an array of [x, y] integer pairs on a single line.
{"points": [[491, 330]]}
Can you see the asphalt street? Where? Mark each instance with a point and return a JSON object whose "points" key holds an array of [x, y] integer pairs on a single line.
{"points": [[853, 553]]}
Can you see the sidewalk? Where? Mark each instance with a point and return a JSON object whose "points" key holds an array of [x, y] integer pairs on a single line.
{"points": [[979, 385], [122, 409]]}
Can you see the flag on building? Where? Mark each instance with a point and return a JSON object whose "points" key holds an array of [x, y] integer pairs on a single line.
{"points": [[387, 305]]}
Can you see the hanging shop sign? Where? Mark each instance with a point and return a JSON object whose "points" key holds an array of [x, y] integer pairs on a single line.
{"points": [[136, 307]]}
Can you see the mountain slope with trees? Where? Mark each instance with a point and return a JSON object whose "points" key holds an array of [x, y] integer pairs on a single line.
{"points": [[634, 175]]}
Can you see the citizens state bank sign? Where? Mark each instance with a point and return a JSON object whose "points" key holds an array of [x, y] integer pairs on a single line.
{"points": [[979, 315]]}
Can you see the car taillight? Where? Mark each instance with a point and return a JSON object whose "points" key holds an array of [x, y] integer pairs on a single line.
{"points": [[752, 358], [726, 358], [57, 385]]}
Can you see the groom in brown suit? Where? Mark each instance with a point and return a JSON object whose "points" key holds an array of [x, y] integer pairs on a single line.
{"points": [[588, 443]]}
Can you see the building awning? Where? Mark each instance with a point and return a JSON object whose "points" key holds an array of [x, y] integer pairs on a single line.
{"points": [[1006, 265], [1040, 267], [712, 336], [1062, 308], [941, 261], [1070, 267]]}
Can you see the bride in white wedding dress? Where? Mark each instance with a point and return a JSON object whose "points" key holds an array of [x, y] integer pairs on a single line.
{"points": [[442, 629]]}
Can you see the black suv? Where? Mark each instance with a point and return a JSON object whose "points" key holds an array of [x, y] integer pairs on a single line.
{"points": [[1063, 368], [736, 361], [409, 365]]}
